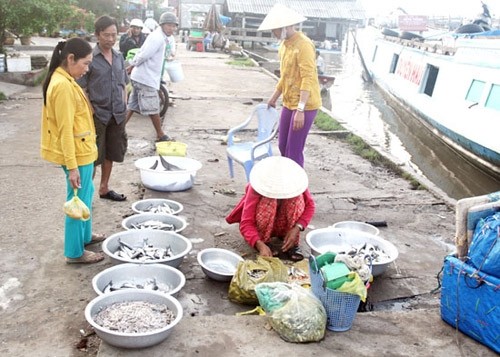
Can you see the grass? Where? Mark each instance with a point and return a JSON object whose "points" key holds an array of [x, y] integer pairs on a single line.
{"points": [[325, 122], [3, 96], [242, 62]]}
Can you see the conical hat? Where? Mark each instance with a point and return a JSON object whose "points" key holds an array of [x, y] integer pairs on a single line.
{"points": [[278, 177], [280, 16]]}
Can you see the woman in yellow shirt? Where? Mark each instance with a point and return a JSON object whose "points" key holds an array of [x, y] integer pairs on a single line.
{"points": [[298, 81], [68, 139]]}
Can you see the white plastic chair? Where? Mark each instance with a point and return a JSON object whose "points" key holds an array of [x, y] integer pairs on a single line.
{"points": [[247, 153]]}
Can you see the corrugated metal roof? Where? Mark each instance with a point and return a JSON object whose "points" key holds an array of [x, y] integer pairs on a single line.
{"points": [[322, 9]]}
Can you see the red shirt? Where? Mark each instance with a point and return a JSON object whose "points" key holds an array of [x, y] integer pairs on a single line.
{"points": [[245, 211]]}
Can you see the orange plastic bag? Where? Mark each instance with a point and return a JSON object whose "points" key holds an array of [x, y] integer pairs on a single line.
{"points": [[76, 208]]}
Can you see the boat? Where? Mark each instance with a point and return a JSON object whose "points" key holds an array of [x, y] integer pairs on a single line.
{"points": [[325, 81], [451, 83]]}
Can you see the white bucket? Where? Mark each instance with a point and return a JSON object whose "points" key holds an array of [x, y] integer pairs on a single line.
{"points": [[174, 70]]}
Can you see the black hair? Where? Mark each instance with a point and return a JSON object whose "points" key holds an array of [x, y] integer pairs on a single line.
{"points": [[103, 22], [78, 47]]}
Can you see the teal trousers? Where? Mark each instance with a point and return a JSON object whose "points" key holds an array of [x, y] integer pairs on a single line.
{"points": [[77, 233]]}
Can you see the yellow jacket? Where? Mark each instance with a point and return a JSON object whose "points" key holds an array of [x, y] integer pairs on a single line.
{"points": [[298, 72], [68, 134]]}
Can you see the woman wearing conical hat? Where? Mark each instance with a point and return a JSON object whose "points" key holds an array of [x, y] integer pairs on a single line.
{"points": [[277, 203], [298, 81]]}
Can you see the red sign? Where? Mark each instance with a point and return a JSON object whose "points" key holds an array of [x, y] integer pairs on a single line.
{"points": [[412, 23]]}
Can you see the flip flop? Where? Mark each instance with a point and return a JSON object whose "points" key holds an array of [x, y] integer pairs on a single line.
{"points": [[165, 138], [113, 196], [88, 257], [97, 238], [294, 254]]}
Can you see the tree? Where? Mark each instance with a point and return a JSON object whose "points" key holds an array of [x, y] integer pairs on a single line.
{"points": [[25, 17]]}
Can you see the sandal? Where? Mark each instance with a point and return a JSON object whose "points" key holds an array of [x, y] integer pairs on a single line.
{"points": [[294, 254], [113, 196], [87, 257], [97, 238], [165, 138]]}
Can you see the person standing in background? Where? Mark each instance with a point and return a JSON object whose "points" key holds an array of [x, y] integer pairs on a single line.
{"points": [[133, 38], [146, 70], [105, 84], [68, 139], [298, 81]]}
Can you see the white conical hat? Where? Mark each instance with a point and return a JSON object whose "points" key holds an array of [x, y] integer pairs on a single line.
{"points": [[280, 16], [278, 177]]}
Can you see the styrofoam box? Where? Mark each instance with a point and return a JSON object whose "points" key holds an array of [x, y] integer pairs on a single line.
{"points": [[19, 64]]}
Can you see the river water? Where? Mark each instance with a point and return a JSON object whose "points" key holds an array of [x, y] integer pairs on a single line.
{"points": [[372, 115]]}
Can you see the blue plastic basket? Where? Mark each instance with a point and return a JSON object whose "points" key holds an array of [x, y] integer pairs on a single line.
{"points": [[340, 307]]}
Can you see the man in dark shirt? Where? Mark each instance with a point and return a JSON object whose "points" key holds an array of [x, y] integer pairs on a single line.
{"points": [[133, 38], [105, 84]]}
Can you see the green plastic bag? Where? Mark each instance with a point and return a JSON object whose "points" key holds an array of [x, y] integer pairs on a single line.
{"points": [[249, 273], [293, 312]]}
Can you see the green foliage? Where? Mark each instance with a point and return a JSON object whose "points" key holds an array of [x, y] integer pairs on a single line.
{"points": [[25, 17], [244, 62], [2, 96], [325, 122]]}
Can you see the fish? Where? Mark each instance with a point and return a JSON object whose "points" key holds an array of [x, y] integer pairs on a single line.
{"points": [[168, 166], [154, 224], [146, 252], [154, 165]]}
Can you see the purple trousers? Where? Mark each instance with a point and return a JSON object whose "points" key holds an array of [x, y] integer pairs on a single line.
{"points": [[291, 142]]}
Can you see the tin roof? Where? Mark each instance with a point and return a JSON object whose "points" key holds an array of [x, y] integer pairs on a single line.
{"points": [[320, 9]]}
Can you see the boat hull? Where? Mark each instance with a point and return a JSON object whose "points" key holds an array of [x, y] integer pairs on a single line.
{"points": [[454, 89]]}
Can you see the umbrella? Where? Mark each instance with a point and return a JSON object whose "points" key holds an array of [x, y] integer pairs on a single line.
{"points": [[212, 21]]}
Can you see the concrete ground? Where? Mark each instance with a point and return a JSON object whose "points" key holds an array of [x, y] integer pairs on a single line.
{"points": [[42, 299]]}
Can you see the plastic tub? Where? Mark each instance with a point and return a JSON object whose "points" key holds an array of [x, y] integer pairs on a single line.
{"points": [[174, 70]]}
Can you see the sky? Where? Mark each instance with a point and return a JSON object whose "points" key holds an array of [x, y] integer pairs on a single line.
{"points": [[465, 8]]}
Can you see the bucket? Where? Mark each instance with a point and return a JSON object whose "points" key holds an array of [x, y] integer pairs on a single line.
{"points": [[2, 63], [174, 70], [171, 148]]}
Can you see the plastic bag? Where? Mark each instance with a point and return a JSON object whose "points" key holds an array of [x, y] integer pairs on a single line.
{"points": [[251, 272], [354, 286], [293, 312], [76, 208]]}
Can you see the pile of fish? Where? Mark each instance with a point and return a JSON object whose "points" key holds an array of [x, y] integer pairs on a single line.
{"points": [[149, 284], [369, 252], [159, 208], [145, 253], [167, 166], [153, 224], [134, 317]]}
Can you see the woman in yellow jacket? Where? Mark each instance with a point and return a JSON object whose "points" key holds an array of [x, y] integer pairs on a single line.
{"points": [[68, 139], [298, 81]]}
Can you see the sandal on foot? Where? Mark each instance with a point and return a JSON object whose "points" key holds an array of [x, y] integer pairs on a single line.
{"points": [[113, 196], [97, 238], [294, 254], [88, 257], [165, 138]]}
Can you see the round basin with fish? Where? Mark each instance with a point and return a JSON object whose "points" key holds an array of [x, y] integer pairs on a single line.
{"points": [[147, 246], [358, 226], [168, 173], [218, 264], [156, 277], [349, 241], [163, 314], [155, 221], [157, 205]]}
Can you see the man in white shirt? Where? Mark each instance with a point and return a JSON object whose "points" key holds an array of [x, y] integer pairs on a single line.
{"points": [[146, 70]]}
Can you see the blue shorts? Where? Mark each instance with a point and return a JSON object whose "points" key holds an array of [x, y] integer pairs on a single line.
{"points": [[144, 99]]}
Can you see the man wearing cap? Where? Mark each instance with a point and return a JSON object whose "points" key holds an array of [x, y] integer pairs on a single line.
{"points": [[298, 82], [133, 38], [277, 203], [146, 70]]}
